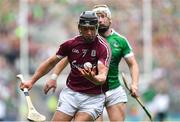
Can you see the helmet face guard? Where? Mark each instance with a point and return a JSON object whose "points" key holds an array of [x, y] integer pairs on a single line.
{"points": [[83, 22], [88, 19]]}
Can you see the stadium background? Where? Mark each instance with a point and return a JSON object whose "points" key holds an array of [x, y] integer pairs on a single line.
{"points": [[31, 30]]}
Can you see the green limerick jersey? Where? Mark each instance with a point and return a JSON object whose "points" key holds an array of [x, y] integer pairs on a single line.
{"points": [[120, 48]]}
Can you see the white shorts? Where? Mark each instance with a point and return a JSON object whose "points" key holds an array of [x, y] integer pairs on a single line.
{"points": [[71, 102], [114, 96]]}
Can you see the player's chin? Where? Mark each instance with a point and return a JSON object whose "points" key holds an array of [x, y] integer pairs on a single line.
{"points": [[89, 39]]}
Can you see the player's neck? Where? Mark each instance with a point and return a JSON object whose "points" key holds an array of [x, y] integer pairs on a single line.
{"points": [[108, 32]]}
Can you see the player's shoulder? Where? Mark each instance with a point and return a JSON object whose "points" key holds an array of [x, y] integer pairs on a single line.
{"points": [[101, 39], [118, 37], [103, 42], [115, 34], [73, 40]]}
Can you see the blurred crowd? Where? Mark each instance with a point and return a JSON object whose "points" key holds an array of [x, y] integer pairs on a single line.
{"points": [[50, 22]]}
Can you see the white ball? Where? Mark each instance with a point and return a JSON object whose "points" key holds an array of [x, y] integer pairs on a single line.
{"points": [[87, 65]]}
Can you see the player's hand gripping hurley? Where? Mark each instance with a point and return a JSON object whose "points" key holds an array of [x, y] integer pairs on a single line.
{"points": [[137, 98], [33, 115]]}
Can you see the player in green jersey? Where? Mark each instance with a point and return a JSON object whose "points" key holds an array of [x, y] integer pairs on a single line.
{"points": [[116, 97]]}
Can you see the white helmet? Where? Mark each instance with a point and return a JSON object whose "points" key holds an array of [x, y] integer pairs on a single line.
{"points": [[102, 9]]}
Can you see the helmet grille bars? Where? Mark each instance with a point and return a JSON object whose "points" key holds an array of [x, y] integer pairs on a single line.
{"points": [[88, 18]]}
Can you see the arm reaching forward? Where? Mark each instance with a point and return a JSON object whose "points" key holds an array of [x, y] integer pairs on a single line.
{"points": [[134, 70], [43, 69], [51, 84]]}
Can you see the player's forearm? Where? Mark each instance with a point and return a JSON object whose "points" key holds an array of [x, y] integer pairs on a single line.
{"points": [[134, 70], [60, 66], [43, 69], [134, 74], [102, 75], [99, 79]]}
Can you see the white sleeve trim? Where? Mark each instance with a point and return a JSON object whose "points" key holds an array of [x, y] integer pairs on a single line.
{"points": [[100, 62], [129, 55], [59, 56]]}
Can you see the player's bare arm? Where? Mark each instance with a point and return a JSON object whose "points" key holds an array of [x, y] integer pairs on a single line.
{"points": [[134, 70], [43, 69], [51, 83], [98, 79]]}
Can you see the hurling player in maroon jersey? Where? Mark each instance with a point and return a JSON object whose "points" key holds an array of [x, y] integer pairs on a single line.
{"points": [[83, 97]]}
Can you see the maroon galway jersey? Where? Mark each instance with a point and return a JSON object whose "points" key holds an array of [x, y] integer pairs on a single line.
{"points": [[80, 52]]}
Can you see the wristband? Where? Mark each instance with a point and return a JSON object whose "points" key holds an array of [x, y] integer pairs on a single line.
{"points": [[54, 77]]}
